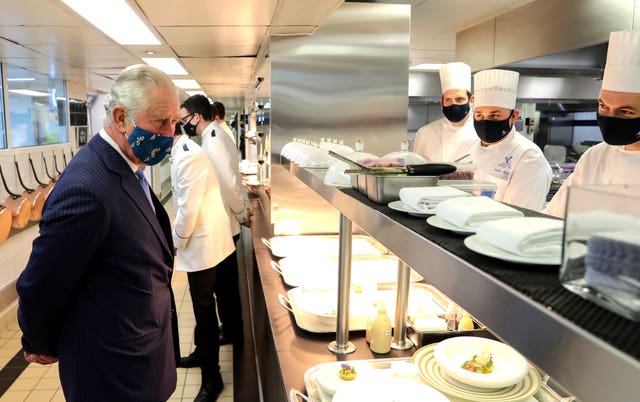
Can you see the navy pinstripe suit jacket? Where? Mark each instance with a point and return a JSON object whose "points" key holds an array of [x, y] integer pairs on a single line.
{"points": [[96, 291]]}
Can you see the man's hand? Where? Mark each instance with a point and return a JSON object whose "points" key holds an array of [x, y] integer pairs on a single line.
{"points": [[39, 358], [247, 221]]}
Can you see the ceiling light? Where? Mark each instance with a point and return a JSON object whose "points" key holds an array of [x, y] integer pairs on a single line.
{"points": [[116, 19], [150, 52], [28, 92], [21, 79], [426, 67], [168, 65], [187, 84]]}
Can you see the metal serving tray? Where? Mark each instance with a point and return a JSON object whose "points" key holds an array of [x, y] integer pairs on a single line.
{"points": [[315, 310], [322, 272], [383, 189], [314, 245], [314, 393]]}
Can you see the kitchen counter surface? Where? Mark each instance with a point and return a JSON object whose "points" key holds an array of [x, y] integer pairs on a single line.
{"points": [[296, 350]]}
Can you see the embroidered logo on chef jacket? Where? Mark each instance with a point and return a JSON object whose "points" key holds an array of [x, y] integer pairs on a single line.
{"points": [[503, 169], [185, 147]]}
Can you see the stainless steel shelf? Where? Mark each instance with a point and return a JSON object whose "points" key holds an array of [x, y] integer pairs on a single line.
{"points": [[585, 365]]}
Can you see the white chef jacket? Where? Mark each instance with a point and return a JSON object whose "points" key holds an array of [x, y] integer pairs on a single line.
{"points": [[201, 230], [223, 124], [519, 169], [223, 153], [600, 164], [440, 141]]}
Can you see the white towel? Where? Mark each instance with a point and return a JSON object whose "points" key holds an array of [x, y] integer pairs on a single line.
{"points": [[425, 198], [471, 212], [527, 236]]}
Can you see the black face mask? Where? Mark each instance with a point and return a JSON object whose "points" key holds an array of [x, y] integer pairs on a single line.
{"points": [[491, 131], [455, 113], [190, 129], [617, 131]]}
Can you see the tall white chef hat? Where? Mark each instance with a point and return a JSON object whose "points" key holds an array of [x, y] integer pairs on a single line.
{"points": [[455, 76], [495, 88], [622, 71]]}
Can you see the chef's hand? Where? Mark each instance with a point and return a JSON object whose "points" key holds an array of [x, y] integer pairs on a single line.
{"points": [[247, 221], [39, 358]]}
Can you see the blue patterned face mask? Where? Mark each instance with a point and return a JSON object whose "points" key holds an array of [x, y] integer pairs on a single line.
{"points": [[149, 147]]}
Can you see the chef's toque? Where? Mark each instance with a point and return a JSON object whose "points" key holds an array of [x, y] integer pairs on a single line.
{"points": [[622, 70], [455, 76], [495, 88]]}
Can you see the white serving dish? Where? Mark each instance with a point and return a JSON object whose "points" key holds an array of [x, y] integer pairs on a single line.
{"points": [[316, 310], [314, 245], [510, 367], [322, 273]]}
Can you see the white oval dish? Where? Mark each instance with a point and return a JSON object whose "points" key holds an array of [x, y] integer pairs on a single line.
{"points": [[510, 367]]}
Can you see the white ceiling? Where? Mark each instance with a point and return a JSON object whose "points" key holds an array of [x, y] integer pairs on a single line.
{"points": [[222, 43]]}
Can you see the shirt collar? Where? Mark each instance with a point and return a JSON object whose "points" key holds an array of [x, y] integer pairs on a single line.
{"points": [[110, 141]]}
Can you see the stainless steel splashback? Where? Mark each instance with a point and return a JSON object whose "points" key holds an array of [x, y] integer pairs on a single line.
{"points": [[347, 81]]}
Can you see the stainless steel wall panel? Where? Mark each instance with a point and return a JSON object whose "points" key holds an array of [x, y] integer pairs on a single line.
{"points": [[550, 26], [475, 46], [349, 80], [539, 89], [543, 27], [424, 84]]}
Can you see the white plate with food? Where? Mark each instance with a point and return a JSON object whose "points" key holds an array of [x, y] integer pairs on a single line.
{"points": [[332, 377], [480, 362], [433, 375], [474, 243], [399, 205], [440, 223]]}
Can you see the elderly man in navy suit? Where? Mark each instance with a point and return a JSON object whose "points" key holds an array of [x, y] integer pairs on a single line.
{"points": [[96, 293]]}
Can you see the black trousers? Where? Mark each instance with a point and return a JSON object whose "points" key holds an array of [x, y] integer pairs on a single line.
{"points": [[228, 295], [206, 333]]}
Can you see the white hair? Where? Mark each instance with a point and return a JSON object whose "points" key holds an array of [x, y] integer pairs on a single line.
{"points": [[131, 89]]}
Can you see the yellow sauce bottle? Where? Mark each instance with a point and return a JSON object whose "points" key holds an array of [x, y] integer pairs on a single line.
{"points": [[381, 331], [370, 317]]}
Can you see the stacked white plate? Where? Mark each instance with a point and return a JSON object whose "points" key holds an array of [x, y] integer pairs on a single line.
{"points": [[511, 380]]}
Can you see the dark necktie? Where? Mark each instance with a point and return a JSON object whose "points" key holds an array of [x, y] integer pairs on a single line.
{"points": [[145, 186]]}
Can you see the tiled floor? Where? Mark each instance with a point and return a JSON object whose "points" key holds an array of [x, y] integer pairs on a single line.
{"points": [[39, 383]]}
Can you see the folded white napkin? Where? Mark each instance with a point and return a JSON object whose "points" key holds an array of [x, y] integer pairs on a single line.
{"points": [[471, 212], [425, 198], [526, 236]]}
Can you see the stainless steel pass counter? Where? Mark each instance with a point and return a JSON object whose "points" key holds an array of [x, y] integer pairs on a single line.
{"points": [[594, 363]]}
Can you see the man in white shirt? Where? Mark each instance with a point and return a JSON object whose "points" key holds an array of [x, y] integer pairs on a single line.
{"points": [[617, 159], [202, 236], [197, 117], [450, 137], [504, 156], [219, 113]]}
